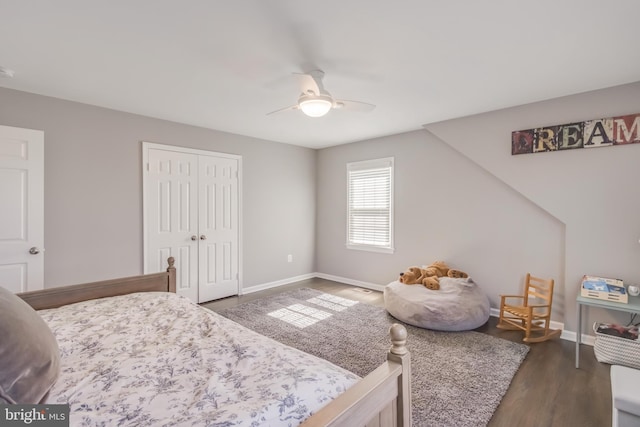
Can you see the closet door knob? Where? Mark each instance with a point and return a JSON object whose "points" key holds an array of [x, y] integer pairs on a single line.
{"points": [[194, 237], [203, 237]]}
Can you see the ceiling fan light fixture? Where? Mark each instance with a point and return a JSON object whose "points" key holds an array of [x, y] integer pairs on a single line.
{"points": [[315, 101], [316, 105]]}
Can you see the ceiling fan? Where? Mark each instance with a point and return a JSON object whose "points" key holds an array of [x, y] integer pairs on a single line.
{"points": [[315, 101]]}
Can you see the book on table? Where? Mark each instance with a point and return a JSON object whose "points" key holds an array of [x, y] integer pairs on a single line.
{"points": [[604, 289]]}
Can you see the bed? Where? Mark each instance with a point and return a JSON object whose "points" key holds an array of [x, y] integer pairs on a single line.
{"points": [[132, 352]]}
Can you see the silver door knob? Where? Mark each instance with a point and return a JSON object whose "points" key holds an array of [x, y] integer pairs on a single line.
{"points": [[194, 237], [34, 251], [203, 237]]}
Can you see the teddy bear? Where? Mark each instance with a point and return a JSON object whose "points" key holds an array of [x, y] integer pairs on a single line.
{"points": [[430, 275], [441, 269], [418, 276]]}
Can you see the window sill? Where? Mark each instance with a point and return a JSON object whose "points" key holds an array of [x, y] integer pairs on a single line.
{"points": [[369, 248]]}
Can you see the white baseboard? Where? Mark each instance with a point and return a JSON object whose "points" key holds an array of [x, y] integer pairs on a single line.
{"points": [[566, 335], [571, 336], [352, 282], [287, 281], [276, 284]]}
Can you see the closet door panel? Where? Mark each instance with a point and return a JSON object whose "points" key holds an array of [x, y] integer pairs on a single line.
{"points": [[171, 216], [219, 232]]}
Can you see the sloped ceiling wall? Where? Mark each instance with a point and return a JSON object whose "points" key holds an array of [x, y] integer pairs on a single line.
{"points": [[594, 192]]}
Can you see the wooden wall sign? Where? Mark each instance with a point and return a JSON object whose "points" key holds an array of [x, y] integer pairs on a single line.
{"points": [[591, 133]]}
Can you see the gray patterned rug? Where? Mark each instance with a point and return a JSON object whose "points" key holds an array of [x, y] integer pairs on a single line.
{"points": [[458, 378]]}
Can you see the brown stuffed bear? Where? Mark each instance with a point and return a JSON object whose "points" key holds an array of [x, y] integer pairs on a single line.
{"points": [[418, 276], [429, 276], [411, 276], [441, 269]]}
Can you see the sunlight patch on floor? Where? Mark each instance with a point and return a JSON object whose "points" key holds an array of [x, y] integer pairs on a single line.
{"points": [[300, 315], [332, 302]]}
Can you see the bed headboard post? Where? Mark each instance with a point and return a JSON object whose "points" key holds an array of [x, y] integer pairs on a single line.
{"points": [[398, 339], [398, 353], [172, 274]]}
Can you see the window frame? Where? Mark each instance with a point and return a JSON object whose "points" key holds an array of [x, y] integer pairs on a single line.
{"points": [[365, 165]]}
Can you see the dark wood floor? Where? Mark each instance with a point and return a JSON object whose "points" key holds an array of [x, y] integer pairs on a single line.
{"points": [[546, 391]]}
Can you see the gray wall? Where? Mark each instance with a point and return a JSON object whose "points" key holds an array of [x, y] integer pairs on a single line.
{"points": [[93, 190], [446, 208], [594, 192], [462, 197]]}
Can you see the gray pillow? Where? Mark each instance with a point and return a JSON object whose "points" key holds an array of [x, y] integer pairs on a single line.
{"points": [[29, 354]]}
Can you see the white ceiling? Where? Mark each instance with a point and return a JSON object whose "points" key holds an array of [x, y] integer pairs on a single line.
{"points": [[225, 64]]}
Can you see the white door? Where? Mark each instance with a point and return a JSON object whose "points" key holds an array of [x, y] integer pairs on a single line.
{"points": [[218, 220], [22, 212], [191, 212], [171, 219]]}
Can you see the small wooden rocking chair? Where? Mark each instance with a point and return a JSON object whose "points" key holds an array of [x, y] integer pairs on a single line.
{"points": [[528, 316]]}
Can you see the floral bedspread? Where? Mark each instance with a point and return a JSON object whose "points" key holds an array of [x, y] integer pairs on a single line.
{"points": [[157, 359]]}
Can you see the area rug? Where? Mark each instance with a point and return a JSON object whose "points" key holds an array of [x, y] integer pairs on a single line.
{"points": [[458, 378]]}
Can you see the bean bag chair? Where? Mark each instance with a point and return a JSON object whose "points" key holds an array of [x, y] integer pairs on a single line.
{"points": [[458, 305]]}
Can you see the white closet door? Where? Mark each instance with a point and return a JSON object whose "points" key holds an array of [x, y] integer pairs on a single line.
{"points": [[171, 217], [192, 213], [22, 212], [218, 222]]}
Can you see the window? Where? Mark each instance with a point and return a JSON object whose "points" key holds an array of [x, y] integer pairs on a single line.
{"points": [[370, 205]]}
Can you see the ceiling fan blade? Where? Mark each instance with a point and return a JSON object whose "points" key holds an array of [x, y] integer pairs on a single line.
{"points": [[343, 104], [282, 110], [308, 83], [313, 92]]}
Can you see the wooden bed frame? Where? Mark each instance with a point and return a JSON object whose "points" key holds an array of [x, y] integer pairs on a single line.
{"points": [[381, 399]]}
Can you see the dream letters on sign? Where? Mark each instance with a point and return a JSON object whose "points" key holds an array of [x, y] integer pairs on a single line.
{"points": [[591, 133]]}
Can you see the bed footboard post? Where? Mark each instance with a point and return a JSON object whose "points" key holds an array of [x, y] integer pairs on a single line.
{"points": [[398, 353], [172, 274]]}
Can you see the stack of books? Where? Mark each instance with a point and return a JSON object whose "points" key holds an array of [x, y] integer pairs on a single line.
{"points": [[605, 289]]}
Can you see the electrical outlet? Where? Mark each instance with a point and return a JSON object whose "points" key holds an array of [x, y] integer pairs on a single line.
{"points": [[289, 258]]}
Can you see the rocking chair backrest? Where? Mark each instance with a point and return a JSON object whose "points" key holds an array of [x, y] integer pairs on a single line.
{"points": [[542, 289]]}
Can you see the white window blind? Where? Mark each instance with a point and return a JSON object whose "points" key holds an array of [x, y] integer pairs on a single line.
{"points": [[370, 205]]}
